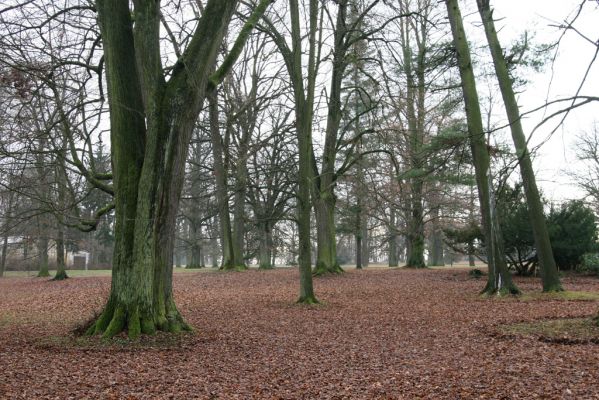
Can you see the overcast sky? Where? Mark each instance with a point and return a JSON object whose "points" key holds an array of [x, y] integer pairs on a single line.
{"points": [[560, 79]]}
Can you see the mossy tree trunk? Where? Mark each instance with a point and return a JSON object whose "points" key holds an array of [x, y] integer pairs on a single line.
{"points": [[499, 278], [414, 70], [392, 234], [436, 241], [548, 268], [6, 231], [61, 183], [239, 213], [304, 110], [326, 258], [265, 249], [151, 125], [61, 266], [229, 262], [42, 254], [195, 253], [4, 254], [323, 192]]}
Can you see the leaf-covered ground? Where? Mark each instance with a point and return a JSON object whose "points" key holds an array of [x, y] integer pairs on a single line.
{"points": [[380, 334]]}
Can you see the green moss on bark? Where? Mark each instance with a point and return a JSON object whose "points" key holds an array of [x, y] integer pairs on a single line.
{"points": [[60, 275], [323, 269]]}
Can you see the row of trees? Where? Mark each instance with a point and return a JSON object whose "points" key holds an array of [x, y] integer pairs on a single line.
{"points": [[233, 124]]}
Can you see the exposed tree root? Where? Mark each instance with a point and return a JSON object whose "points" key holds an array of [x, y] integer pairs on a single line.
{"points": [[117, 319], [308, 300], [43, 273], [323, 269], [239, 267], [60, 276]]}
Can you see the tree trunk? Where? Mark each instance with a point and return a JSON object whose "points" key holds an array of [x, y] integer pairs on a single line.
{"points": [[415, 250], [499, 278], [229, 261], [42, 253], [304, 110], [239, 212], [548, 268], [326, 258], [61, 272], [148, 156], [61, 182], [4, 254], [265, 250], [195, 260], [6, 231], [392, 238], [436, 241]]}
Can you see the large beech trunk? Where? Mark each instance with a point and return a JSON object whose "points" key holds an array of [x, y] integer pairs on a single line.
{"points": [[499, 278], [265, 247], [42, 255], [151, 124], [326, 256], [230, 261]]}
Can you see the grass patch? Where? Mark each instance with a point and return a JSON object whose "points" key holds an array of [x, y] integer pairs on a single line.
{"points": [[565, 295], [568, 331]]}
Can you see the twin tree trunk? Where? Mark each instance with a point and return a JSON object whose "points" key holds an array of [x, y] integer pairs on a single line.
{"points": [[326, 258], [230, 243], [549, 273], [499, 278], [265, 247], [151, 125], [195, 259], [42, 254]]}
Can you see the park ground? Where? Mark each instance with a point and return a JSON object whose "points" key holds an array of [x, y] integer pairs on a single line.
{"points": [[378, 334]]}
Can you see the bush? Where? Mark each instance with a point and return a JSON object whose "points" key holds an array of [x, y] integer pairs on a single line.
{"points": [[573, 233], [590, 263]]}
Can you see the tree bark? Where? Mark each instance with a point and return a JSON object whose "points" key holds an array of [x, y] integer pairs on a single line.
{"points": [[6, 231], [499, 279], [436, 241], [392, 234], [230, 260], [42, 253], [326, 259], [265, 249], [548, 268], [151, 125], [195, 260]]}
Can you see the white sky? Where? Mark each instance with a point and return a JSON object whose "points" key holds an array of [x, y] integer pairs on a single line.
{"points": [[557, 155]]}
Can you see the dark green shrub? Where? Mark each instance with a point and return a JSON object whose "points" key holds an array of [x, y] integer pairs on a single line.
{"points": [[573, 232]]}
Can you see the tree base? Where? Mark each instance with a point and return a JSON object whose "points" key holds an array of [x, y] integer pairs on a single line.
{"points": [[416, 266], [44, 273], [504, 291], [118, 318], [266, 266], [308, 300], [60, 276], [238, 268], [194, 266], [555, 288], [323, 269]]}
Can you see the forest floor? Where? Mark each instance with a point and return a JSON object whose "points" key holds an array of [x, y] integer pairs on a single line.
{"points": [[378, 334]]}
